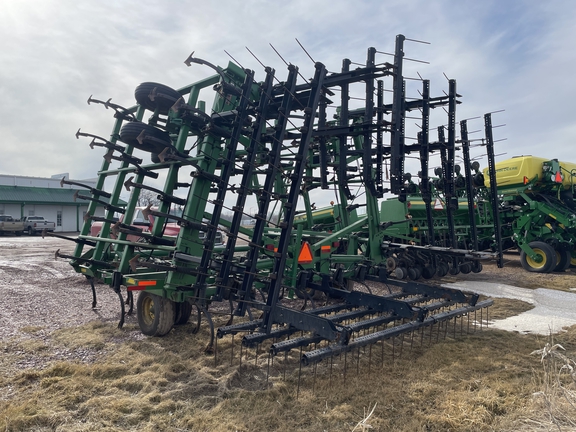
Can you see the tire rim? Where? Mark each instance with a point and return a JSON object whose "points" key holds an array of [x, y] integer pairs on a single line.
{"points": [[148, 311], [533, 263]]}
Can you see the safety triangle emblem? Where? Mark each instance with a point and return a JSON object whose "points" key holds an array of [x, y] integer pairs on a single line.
{"points": [[438, 204]]}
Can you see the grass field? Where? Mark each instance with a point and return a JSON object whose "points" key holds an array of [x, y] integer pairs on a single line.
{"points": [[486, 380]]}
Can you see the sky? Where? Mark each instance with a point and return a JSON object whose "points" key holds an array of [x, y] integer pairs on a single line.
{"points": [[516, 56]]}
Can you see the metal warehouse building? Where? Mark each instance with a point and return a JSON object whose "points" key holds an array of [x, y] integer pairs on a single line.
{"points": [[34, 196]]}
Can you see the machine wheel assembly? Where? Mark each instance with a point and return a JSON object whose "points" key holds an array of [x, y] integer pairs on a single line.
{"points": [[154, 96], [182, 312], [155, 314], [547, 254]]}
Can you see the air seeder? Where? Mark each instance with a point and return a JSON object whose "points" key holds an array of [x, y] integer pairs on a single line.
{"points": [[269, 149]]}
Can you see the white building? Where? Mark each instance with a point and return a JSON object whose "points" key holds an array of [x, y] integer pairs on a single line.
{"points": [[35, 196]]}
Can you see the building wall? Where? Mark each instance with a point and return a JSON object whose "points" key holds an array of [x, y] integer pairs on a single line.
{"points": [[72, 216]]}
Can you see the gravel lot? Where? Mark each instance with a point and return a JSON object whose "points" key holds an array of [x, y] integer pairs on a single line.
{"points": [[38, 291]]}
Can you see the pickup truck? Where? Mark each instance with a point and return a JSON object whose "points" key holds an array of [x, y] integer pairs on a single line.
{"points": [[37, 224], [10, 225]]}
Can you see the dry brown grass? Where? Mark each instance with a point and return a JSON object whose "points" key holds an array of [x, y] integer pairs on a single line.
{"points": [[482, 381]]}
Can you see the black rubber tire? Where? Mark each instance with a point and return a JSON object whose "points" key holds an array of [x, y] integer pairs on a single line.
{"points": [[563, 257], [442, 270], [168, 97], [182, 312], [454, 270], [391, 263], [466, 268], [131, 131], [155, 314], [400, 272], [547, 253], [414, 273], [477, 267], [428, 272]]}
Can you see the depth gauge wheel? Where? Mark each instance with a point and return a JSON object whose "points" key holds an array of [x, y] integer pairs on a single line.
{"points": [[547, 258], [155, 314]]}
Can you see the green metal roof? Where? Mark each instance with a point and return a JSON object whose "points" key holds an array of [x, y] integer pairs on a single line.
{"points": [[39, 195]]}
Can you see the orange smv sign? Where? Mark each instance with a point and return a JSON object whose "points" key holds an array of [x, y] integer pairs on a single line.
{"points": [[305, 256]]}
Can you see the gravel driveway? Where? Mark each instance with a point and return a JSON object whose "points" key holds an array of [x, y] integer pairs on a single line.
{"points": [[38, 291]]}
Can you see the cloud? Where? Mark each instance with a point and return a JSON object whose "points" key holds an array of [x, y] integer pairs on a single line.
{"points": [[512, 56]]}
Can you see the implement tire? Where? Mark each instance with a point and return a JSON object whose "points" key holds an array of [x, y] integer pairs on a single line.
{"points": [[163, 101], [182, 312], [564, 257], [155, 314], [156, 139], [546, 252]]}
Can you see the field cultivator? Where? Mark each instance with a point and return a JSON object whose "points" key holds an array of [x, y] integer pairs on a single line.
{"points": [[267, 151]]}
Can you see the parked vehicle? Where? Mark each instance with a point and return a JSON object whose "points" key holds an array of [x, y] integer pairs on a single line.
{"points": [[10, 225], [37, 224]]}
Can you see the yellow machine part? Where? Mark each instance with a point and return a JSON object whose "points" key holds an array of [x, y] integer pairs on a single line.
{"points": [[512, 172]]}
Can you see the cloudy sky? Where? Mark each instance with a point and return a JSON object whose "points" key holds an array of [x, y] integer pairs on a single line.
{"points": [[516, 56]]}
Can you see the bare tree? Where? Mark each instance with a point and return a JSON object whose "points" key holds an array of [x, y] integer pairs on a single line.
{"points": [[147, 197]]}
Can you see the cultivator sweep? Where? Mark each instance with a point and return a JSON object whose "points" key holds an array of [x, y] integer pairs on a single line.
{"points": [[264, 152]]}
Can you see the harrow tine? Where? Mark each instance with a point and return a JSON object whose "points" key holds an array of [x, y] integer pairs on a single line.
{"points": [[299, 375], [130, 302], [91, 282], [240, 365], [196, 328], [268, 369], [116, 284], [210, 346], [216, 352]]}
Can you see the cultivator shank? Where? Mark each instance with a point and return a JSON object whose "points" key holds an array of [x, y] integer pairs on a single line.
{"points": [[235, 221]]}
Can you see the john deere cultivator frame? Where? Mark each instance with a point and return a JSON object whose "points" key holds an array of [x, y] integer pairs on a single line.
{"points": [[268, 145]]}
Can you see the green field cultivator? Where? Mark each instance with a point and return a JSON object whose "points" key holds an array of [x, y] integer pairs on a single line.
{"points": [[266, 151]]}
